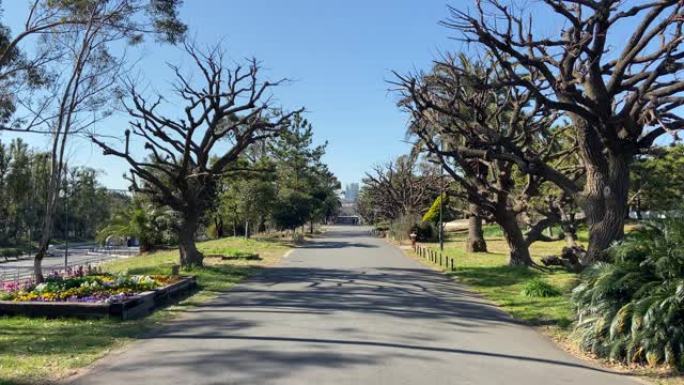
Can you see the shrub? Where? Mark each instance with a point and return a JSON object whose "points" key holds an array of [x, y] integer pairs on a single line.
{"points": [[426, 232], [537, 287], [382, 227], [401, 227], [632, 310]]}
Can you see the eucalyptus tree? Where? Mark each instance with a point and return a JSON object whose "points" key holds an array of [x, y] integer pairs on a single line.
{"points": [[612, 67], [76, 65], [225, 111]]}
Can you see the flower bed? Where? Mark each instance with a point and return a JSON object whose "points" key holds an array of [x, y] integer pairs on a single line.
{"points": [[89, 288], [94, 294]]}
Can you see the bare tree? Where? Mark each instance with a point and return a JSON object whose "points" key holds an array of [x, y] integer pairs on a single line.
{"points": [[462, 119], [227, 105], [620, 100], [401, 188]]}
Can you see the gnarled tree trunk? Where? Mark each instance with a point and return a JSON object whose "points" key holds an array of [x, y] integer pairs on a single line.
{"points": [[518, 246], [605, 204], [189, 255], [475, 243]]}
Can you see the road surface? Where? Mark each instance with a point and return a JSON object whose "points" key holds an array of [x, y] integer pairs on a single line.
{"points": [[78, 256], [346, 309]]}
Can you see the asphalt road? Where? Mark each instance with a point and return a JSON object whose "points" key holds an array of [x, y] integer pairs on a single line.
{"points": [[346, 309], [23, 268]]}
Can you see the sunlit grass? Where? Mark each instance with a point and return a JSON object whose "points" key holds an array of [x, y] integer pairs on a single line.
{"points": [[38, 351], [489, 274]]}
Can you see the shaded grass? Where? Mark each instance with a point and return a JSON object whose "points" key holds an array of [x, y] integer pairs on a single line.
{"points": [[490, 275], [38, 351]]}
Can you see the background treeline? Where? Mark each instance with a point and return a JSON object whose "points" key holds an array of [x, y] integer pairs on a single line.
{"points": [[279, 185], [84, 205], [404, 194]]}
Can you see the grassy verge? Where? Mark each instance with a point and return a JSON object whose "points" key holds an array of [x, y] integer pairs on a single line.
{"points": [[38, 351], [490, 275]]}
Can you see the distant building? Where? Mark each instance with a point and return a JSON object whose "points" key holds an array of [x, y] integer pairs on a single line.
{"points": [[351, 192], [117, 191]]}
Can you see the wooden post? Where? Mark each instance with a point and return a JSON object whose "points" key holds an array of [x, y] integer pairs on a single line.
{"points": [[452, 264], [440, 259]]}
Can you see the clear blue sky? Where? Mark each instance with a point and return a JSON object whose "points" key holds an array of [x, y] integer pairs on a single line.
{"points": [[339, 55]]}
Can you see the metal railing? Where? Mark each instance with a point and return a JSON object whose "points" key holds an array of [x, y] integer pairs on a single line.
{"points": [[90, 257]]}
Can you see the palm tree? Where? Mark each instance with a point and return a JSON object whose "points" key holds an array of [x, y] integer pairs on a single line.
{"points": [[140, 220]]}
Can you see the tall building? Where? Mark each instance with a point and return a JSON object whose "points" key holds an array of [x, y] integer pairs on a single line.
{"points": [[351, 192]]}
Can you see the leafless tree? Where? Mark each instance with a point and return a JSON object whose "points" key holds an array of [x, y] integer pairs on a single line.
{"points": [[185, 158], [620, 99], [402, 188], [466, 122]]}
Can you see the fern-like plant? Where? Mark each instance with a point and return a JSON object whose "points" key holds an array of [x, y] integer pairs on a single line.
{"points": [[632, 310]]}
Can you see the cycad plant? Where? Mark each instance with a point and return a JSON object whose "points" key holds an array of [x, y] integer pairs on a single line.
{"points": [[140, 220], [632, 310]]}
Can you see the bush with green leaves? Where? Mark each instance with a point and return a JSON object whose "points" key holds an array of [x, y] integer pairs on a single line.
{"points": [[632, 310], [537, 287]]}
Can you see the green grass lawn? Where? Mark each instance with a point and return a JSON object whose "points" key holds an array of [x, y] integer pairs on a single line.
{"points": [[38, 351]]}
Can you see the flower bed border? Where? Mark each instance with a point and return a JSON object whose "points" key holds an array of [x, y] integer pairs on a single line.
{"points": [[134, 307]]}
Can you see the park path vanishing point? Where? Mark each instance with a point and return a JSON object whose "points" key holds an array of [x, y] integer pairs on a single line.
{"points": [[346, 309]]}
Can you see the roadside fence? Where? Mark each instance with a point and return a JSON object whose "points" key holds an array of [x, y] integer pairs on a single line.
{"points": [[435, 257]]}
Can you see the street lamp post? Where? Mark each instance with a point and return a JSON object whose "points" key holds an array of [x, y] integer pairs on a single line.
{"points": [[66, 220], [441, 208]]}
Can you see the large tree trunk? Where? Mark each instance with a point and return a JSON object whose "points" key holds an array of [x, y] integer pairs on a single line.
{"points": [[475, 243], [519, 249], [604, 198], [605, 205], [189, 255], [38, 262]]}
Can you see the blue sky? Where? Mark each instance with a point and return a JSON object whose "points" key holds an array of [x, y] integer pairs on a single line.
{"points": [[339, 55]]}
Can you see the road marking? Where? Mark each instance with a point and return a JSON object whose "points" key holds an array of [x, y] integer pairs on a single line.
{"points": [[288, 253]]}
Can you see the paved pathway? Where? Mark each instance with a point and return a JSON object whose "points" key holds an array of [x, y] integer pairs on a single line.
{"points": [[347, 309]]}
